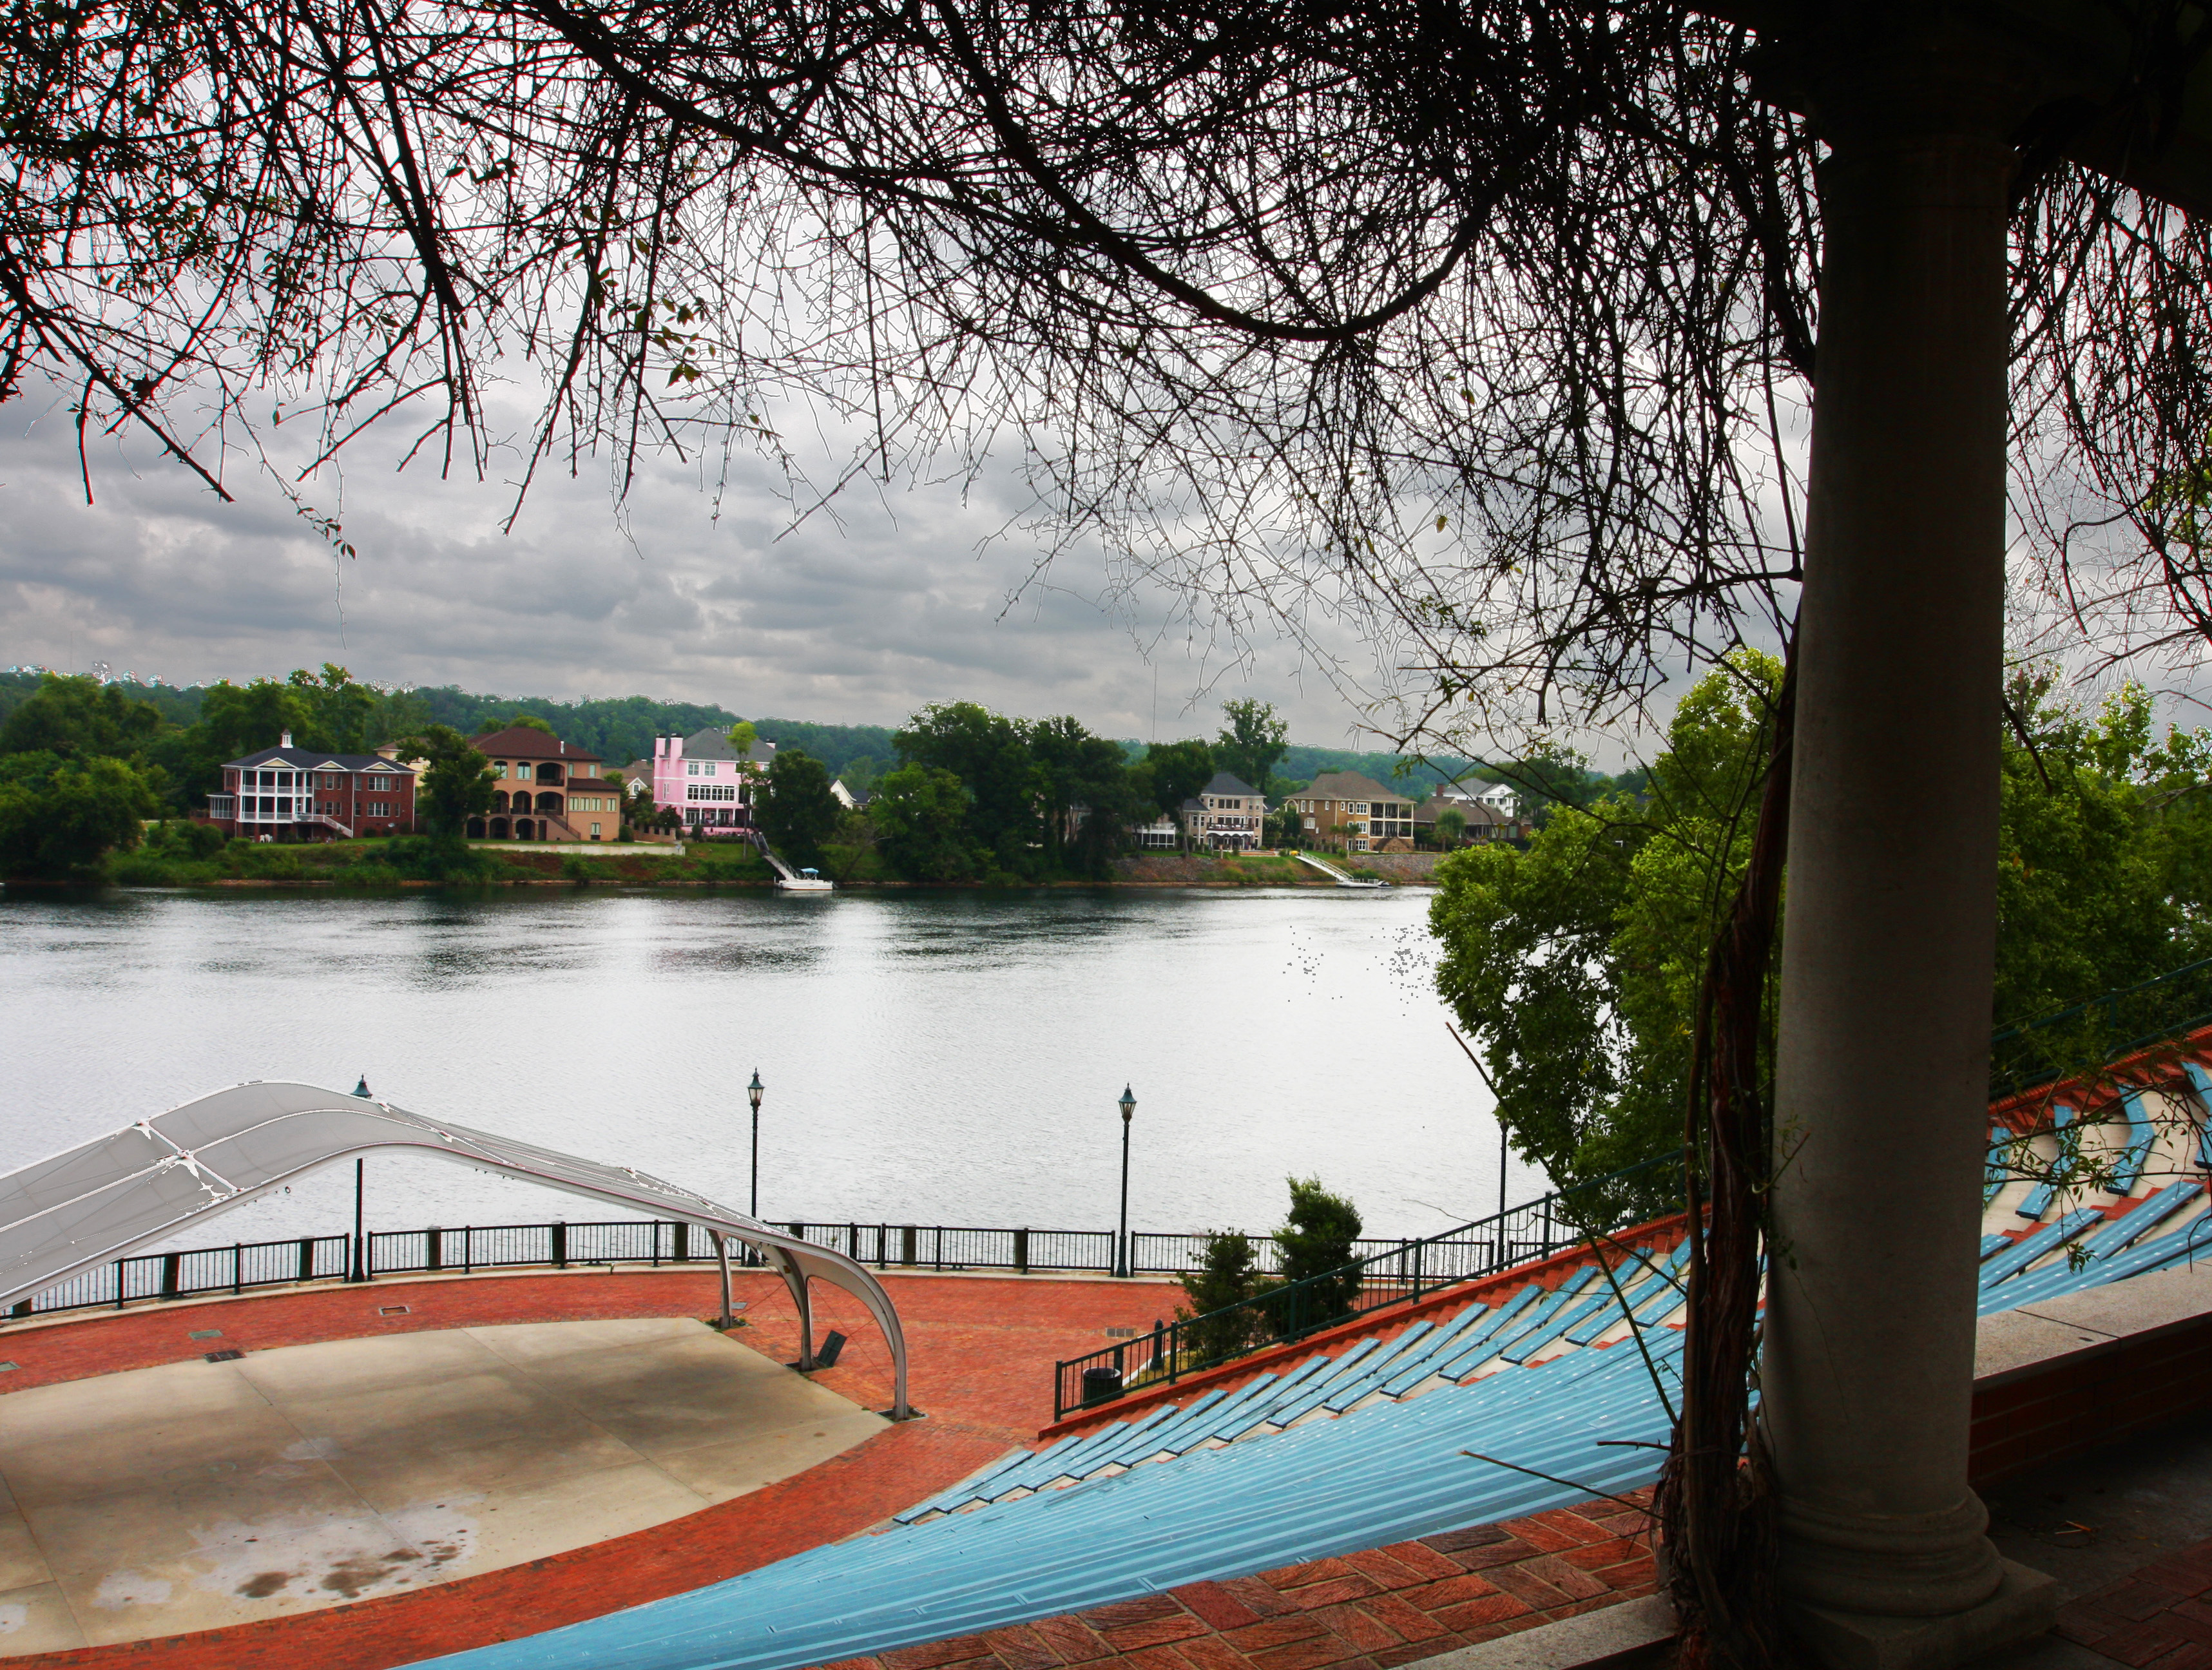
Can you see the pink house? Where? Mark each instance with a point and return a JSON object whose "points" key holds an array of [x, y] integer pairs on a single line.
{"points": [[708, 781]]}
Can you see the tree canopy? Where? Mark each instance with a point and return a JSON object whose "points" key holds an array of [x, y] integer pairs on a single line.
{"points": [[60, 817], [797, 813], [1574, 965], [1253, 740], [457, 785]]}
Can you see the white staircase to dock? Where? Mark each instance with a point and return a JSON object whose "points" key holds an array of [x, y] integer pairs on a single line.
{"points": [[1341, 878]]}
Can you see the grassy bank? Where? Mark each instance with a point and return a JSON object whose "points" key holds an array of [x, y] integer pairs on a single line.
{"points": [[411, 861]]}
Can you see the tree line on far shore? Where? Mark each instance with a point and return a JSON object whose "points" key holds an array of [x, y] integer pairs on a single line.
{"points": [[959, 792]]}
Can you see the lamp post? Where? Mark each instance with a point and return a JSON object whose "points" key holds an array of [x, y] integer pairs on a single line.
{"points": [[360, 1273], [753, 1095], [1122, 1242]]}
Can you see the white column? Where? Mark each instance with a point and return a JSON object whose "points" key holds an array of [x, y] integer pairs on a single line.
{"points": [[1882, 1075]]}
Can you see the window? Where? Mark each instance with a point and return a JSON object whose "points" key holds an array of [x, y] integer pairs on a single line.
{"points": [[711, 791], [379, 809], [221, 806], [499, 768], [522, 770], [691, 767], [595, 832]]}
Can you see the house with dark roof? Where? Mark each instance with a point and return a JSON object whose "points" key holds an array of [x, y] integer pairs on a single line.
{"points": [[289, 793], [1344, 808], [1480, 820], [547, 790], [708, 781], [1227, 814]]}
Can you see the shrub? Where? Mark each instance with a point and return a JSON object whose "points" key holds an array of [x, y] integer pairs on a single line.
{"points": [[1317, 1239], [1225, 1276]]}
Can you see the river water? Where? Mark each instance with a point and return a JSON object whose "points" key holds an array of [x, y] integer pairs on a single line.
{"points": [[945, 1057]]}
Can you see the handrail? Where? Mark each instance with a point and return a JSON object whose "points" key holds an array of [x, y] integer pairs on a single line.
{"points": [[2043, 1066], [1292, 1310], [236, 1267]]}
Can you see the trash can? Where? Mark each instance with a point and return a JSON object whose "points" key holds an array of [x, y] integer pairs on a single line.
{"points": [[1101, 1385]]}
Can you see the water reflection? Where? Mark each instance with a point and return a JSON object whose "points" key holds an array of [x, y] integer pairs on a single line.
{"points": [[953, 1057]]}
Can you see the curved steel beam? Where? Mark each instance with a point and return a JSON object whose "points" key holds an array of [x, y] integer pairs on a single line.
{"points": [[107, 1199]]}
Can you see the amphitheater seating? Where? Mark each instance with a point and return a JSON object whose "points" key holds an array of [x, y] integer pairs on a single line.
{"points": [[2038, 1199], [1457, 1420], [1392, 1471], [2128, 1165], [2046, 1239], [1482, 1339], [2200, 1082]]}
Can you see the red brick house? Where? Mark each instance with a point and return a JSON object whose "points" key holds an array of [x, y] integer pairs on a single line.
{"points": [[288, 794]]}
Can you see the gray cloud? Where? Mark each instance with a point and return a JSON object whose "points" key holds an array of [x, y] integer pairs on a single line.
{"points": [[890, 597]]}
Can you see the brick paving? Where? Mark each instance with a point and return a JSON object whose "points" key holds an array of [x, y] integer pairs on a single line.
{"points": [[2159, 1618], [1362, 1612]]}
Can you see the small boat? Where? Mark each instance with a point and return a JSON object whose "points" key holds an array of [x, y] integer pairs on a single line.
{"points": [[806, 881]]}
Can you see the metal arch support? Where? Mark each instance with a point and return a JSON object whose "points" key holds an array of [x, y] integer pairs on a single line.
{"points": [[107, 1199], [801, 1301], [722, 1258]]}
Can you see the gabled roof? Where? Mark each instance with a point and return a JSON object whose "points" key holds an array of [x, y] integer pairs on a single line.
{"points": [[315, 759], [1349, 786], [525, 742], [1222, 783], [713, 744], [1474, 811]]}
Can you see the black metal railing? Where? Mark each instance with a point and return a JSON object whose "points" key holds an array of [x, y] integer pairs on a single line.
{"points": [[2082, 1038], [231, 1269], [469, 1248], [947, 1247], [465, 1249], [1399, 1274]]}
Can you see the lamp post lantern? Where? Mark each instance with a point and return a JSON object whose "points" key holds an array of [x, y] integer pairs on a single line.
{"points": [[1122, 1240], [753, 1095]]}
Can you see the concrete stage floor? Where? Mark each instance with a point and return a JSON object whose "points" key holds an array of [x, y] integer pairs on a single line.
{"points": [[200, 1494]]}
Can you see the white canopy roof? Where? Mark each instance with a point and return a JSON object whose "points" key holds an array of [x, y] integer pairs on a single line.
{"points": [[120, 1192]]}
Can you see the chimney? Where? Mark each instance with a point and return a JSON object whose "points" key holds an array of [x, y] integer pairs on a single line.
{"points": [[284, 739]]}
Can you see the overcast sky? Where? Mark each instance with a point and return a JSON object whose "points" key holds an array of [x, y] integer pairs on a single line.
{"points": [[896, 597]]}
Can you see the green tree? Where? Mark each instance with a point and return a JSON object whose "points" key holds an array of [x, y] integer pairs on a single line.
{"points": [[1171, 773], [744, 735], [1077, 769], [77, 717], [1317, 1239], [60, 818], [457, 785], [1253, 739], [1226, 1276], [236, 719], [1451, 828], [339, 714], [920, 815], [1573, 966], [798, 814], [991, 756]]}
